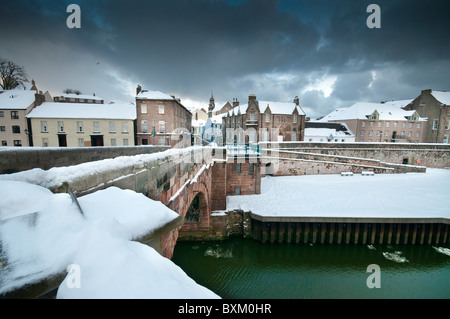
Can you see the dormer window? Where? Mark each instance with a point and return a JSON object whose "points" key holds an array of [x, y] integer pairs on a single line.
{"points": [[374, 116]]}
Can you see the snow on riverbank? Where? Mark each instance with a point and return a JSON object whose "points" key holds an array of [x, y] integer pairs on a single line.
{"points": [[423, 195], [42, 233]]}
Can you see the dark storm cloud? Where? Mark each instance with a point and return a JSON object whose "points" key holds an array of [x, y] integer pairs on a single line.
{"points": [[234, 47]]}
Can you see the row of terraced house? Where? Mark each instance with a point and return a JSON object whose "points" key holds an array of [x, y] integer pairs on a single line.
{"points": [[34, 118]]}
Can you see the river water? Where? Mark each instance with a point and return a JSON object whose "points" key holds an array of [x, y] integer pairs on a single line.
{"points": [[247, 269]]}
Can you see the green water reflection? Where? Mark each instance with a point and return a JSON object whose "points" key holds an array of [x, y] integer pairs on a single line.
{"points": [[245, 268]]}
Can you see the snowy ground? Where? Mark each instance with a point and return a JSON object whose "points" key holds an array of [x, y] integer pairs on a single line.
{"points": [[423, 195], [42, 233]]}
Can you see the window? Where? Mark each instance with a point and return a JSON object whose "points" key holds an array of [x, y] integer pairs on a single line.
{"points": [[162, 127], [113, 142], [161, 109], [238, 168], [410, 125], [363, 124], [379, 124], [143, 108], [16, 129], [435, 125], [417, 134], [294, 136], [403, 125], [422, 102], [238, 191], [2, 114], [447, 125], [14, 115], [395, 124], [96, 127], [162, 141], [370, 132], [387, 124], [294, 120], [79, 126], [125, 142], [371, 124], [124, 127], [418, 125], [386, 133], [2, 128], [80, 142], [17, 143], [4, 143], [252, 116], [251, 168], [144, 126], [267, 117], [362, 133], [112, 127], [44, 127], [409, 133], [45, 142], [60, 126]]}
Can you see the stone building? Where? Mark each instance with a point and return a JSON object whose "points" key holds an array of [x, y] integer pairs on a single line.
{"points": [[380, 122], [324, 132], [83, 124], [260, 121], [14, 107], [162, 119], [434, 105]]}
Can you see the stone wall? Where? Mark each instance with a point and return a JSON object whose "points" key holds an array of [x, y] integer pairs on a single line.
{"points": [[429, 155], [17, 159]]}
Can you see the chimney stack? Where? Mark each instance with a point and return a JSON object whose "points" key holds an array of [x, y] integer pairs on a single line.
{"points": [[297, 101], [235, 102], [251, 97], [138, 89]]}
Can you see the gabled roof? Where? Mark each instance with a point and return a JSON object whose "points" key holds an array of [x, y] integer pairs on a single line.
{"points": [[16, 99], [362, 110], [119, 111], [441, 96], [286, 108], [153, 95]]}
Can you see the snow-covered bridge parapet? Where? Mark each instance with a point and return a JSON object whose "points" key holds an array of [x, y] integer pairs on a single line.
{"points": [[174, 177], [170, 180]]}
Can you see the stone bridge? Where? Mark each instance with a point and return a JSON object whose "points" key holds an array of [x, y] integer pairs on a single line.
{"points": [[195, 181]]}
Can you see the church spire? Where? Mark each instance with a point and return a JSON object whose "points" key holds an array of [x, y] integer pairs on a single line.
{"points": [[211, 105]]}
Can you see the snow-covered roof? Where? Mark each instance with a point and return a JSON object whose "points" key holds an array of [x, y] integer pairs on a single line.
{"points": [[153, 95], [16, 99], [442, 96], [84, 111], [325, 132], [286, 108], [326, 129], [399, 103], [362, 110], [79, 96]]}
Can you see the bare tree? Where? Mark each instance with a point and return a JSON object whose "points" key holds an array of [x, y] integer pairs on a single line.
{"points": [[70, 91], [11, 75]]}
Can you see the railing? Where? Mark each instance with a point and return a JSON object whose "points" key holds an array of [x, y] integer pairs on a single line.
{"points": [[251, 122], [243, 149]]}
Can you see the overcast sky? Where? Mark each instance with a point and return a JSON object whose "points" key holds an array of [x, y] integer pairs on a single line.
{"points": [[319, 50]]}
